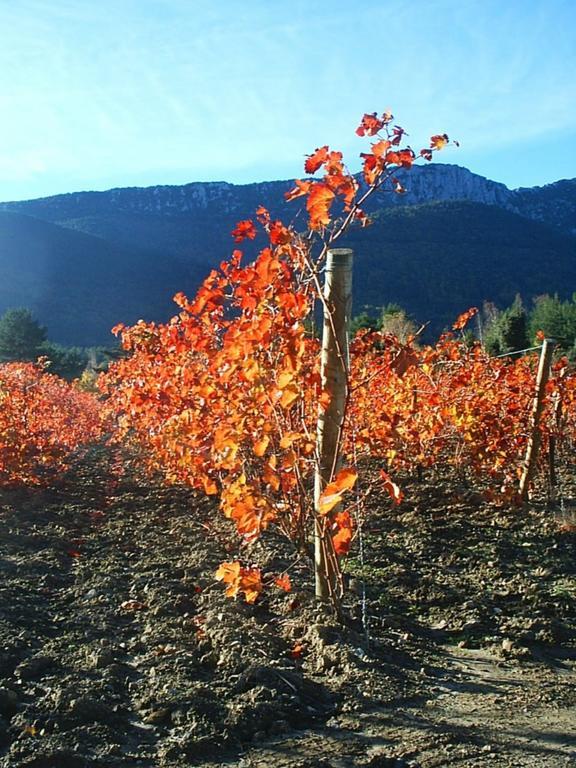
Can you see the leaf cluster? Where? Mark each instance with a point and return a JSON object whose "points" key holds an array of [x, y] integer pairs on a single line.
{"points": [[44, 423]]}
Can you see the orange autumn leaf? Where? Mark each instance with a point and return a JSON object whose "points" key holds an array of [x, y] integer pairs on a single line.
{"points": [[296, 651], [262, 215], [342, 537], [289, 395], [248, 581], [228, 572], [334, 165], [345, 187], [210, 487], [439, 141], [391, 488], [250, 584], [244, 229], [279, 234], [289, 460], [284, 379], [332, 494], [406, 157], [371, 168], [316, 160], [283, 582], [288, 438], [370, 125], [270, 475], [463, 319], [320, 198], [380, 148], [341, 541], [345, 480], [301, 188], [261, 445]]}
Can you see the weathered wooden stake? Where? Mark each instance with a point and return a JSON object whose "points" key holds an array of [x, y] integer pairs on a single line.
{"points": [[537, 406], [334, 374]]}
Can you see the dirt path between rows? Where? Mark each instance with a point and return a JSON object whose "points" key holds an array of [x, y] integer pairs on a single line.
{"points": [[118, 648], [483, 712], [516, 710]]}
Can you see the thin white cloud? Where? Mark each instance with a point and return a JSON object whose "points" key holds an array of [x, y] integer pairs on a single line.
{"points": [[122, 87]]}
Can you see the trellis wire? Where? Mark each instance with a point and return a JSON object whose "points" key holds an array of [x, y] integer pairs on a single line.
{"points": [[519, 351], [359, 522]]}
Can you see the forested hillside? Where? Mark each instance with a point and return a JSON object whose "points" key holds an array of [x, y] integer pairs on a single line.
{"points": [[438, 259], [82, 262], [79, 285]]}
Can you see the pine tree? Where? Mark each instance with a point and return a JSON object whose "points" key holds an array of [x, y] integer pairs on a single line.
{"points": [[21, 336], [508, 330], [557, 319]]}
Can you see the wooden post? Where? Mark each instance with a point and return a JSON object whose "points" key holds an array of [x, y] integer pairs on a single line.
{"points": [[334, 374], [537, 407]]}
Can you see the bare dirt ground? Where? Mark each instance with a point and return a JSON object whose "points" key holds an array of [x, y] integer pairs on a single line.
{"points": [[118, 648]]}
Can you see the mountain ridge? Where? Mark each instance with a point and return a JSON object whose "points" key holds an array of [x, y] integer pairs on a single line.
{"points": [[157, 240], [434, 181]]}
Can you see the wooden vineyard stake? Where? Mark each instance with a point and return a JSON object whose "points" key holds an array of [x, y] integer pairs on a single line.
{"points": [[534, 438], [334, 374]]}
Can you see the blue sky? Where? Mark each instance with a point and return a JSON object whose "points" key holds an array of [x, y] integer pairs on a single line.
{"points": [[96, 94]]}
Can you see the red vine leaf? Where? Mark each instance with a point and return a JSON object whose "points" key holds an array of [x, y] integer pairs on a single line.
{"points": [[244, 229]]}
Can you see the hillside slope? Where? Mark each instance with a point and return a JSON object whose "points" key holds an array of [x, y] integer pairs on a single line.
{"points": [[84, 261], [174, 218], [79, 286], [439, 259]]}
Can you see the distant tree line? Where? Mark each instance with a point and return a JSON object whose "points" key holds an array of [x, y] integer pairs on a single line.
{"points": [[391, 318], [24, 339], [501, 331], [515, 327]]}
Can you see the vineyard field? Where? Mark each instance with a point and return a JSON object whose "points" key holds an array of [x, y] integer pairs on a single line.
{"points": [[246, 538], [119, 648]]}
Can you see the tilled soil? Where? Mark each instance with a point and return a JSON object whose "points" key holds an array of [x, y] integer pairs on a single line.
{"points": [[118, 648]]}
